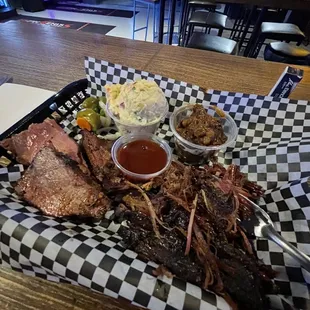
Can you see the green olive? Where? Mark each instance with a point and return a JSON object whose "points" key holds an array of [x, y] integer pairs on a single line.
{"points": [[91, 103], [91, 117]]}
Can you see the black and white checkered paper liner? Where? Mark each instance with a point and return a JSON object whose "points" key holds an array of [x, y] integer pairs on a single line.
{"points": [[272, 148], [273, 141]]}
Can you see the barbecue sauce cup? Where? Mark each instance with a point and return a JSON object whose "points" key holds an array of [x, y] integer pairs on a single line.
{"points": [[196, 154], [141, 156]]}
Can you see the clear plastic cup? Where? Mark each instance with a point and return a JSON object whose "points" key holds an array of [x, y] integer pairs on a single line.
{"points": [[137, 177], [124, 128], [197, 154]]}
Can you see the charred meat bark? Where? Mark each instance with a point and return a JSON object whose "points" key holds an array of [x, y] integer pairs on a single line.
{"points": [[167, 251], [242, 275], [190, 216], [102, 166], [98, 154], [56, 185], [25, 145]]}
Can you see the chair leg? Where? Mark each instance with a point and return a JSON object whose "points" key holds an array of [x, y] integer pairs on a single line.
{"points": [[236, 52], [147, 22], [252, 48], [154, 22], [189, 34], [254, 44], [242, 24], [236, 23], [134, 19], [257, 49], [187, 8], [169, 21], [256, 34], [184, 8], [220, 32], [227, 9], [249, 15], [181, 17], [192, 30], [184, 35]]}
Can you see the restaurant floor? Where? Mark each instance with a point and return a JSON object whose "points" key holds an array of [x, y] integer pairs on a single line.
{"points": [[122, 25]]}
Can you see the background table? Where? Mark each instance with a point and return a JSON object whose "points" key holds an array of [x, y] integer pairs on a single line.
{"points": [[47, 57], [50, 58]]}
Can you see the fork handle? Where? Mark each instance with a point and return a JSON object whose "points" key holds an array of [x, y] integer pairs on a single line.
{"points": [[269, 232]]}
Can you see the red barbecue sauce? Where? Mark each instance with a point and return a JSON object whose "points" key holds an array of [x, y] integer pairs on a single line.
{"points": [[142, 156]]}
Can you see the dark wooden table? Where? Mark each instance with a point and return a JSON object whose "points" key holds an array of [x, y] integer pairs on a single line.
{"points": [[20, 292], [50, 58]]}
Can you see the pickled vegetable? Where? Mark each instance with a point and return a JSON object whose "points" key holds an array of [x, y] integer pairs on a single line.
{"points": [[88, 119], [91, 103], [83, 124]]}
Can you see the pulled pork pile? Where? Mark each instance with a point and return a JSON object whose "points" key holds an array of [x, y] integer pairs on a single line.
{"points": [[188, 221]]}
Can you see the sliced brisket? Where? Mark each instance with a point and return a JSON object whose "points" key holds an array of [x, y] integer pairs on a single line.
{"points": [[55, 184], [98, 152], [25, 145]]}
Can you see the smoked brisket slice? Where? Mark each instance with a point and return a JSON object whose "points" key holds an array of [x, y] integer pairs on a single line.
{"points": [[98, 153], [56, 185], [25, 145]]}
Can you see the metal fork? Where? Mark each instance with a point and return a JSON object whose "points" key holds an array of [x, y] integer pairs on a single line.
{"points": [[262, 226]]}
